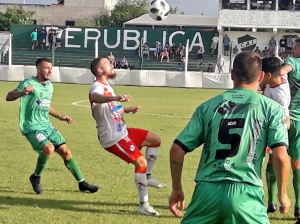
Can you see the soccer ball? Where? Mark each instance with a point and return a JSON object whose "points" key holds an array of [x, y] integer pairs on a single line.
{"points": [[159, 10]]}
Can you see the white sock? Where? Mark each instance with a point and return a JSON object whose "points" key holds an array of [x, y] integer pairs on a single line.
{"points": [[140, 180], [151, 156]]}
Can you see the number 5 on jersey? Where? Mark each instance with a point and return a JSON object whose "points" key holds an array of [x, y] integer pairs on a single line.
{"points": [[224, 137]]}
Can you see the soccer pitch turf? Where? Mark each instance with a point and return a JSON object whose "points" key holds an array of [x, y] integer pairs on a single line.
{"points": [[165, 111]]}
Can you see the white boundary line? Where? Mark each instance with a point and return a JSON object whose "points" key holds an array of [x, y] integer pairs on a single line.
{"points": [[78, 103]]}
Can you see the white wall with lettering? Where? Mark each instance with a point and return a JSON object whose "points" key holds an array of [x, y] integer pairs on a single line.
{"points": [[248, 39]]}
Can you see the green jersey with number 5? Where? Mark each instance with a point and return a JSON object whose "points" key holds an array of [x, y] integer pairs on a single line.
{"points": [[35, 106], [235, 128]]}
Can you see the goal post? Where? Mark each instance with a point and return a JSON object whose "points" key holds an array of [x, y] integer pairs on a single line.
{"points": [[187, 51]]}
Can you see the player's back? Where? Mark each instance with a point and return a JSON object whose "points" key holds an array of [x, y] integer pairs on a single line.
{"points": [[35, 106], [237, 127]]}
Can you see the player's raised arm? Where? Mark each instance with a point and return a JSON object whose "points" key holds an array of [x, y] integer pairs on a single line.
{"points": [[99, 98], [17, 93], [286, 69]]}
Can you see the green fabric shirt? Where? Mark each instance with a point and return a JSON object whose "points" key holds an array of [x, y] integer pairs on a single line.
{"points": [[35, 106], [294, 81], [235, 128], [34, 35]]}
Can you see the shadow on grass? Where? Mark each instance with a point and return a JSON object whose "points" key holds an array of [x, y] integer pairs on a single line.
{"points": [[69, 205], [283, 218]]}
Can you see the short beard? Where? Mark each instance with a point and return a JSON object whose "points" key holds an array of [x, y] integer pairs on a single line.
{"points": [[112, 75]]}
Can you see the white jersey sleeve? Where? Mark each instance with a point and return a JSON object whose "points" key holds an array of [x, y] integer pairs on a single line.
{"points": [[282, 96], [96, 89]]}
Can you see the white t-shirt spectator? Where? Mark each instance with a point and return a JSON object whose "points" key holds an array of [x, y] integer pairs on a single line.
{"points": [[215, 39]]}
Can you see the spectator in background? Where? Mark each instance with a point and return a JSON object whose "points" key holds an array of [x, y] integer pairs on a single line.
{"points": [[200, 54], [282, 44], [272, 47], [164, 54], [226, 43], [146, 50], [289, 44], [112, 59], [42, 38], [179, 68], [235, 50], [167, 46], [220, 63], [214, 44], [265, 53], [34, 40], [58, 35], [51, 34], [173, 50], [182, 52], [159, 49], [179, 49], [291, 6], [124, 63], [257, 51]]}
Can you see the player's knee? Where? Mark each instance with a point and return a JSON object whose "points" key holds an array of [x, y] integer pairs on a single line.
{"points": [[48, 150], [64, 152], [153, 140], [140, 165]]}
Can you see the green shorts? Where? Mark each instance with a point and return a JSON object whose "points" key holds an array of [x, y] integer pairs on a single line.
{"points": [[294, 140], [226, 203], [38, 139]]}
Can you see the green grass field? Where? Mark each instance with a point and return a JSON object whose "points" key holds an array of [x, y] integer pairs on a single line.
{"points": [[165, 111]]}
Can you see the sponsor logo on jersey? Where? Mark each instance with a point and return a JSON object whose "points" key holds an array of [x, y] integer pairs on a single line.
{"points": [[238, 96], [43, 103], [231, 123], [247, 43]]}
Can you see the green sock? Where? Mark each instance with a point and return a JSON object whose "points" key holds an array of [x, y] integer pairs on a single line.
{"points": [[296, 184], [41, 164], [271, 184], [72, 165]]}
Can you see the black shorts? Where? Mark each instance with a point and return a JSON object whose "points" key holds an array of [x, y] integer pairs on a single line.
{"points": [[58, 40], [34, 42], [288, 48], [226, 48]]}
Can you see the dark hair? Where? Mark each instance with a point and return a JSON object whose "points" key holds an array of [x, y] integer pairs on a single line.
{"points": [[271, 65], [94, 65], [41, 60], [247, 67]]}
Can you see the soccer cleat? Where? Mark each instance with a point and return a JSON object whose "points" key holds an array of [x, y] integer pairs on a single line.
{"points": [[147, 209], [85, 186], [297, 212], [272, 208], [152, 182], [36, 184]]}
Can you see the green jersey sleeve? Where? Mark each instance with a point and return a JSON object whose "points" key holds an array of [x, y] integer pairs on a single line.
{"points": [[277, 131], [290, 62], [191, 136], [22, 85]]}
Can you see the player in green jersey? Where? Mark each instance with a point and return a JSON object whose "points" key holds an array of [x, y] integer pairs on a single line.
{"points": [[292, 68], [35, 106], [235, 128]]}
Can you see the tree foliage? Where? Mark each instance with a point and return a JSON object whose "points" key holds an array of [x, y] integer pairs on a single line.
{"points": [[15, 15]]}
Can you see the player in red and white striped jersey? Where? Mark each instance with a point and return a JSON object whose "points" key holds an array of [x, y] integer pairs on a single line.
{"points": [[116, 138], [275, 87]]}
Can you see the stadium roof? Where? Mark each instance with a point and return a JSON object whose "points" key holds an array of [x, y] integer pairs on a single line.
{"points": [[176, 20]]}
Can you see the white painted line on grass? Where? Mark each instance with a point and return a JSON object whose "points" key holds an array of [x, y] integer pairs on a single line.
{"points": [[78, 103]]}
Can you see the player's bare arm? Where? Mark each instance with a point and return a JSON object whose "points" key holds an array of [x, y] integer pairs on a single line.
{"points": [[286, 69], [132, 109], [177, 195], [15, 94], [99, 98], [288, 122], [55, 114], [281, 167]]}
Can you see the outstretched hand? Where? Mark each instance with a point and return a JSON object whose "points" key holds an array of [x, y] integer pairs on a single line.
{"points": [[123, 98], [133, 109], [66, 118], [28, 89]]}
